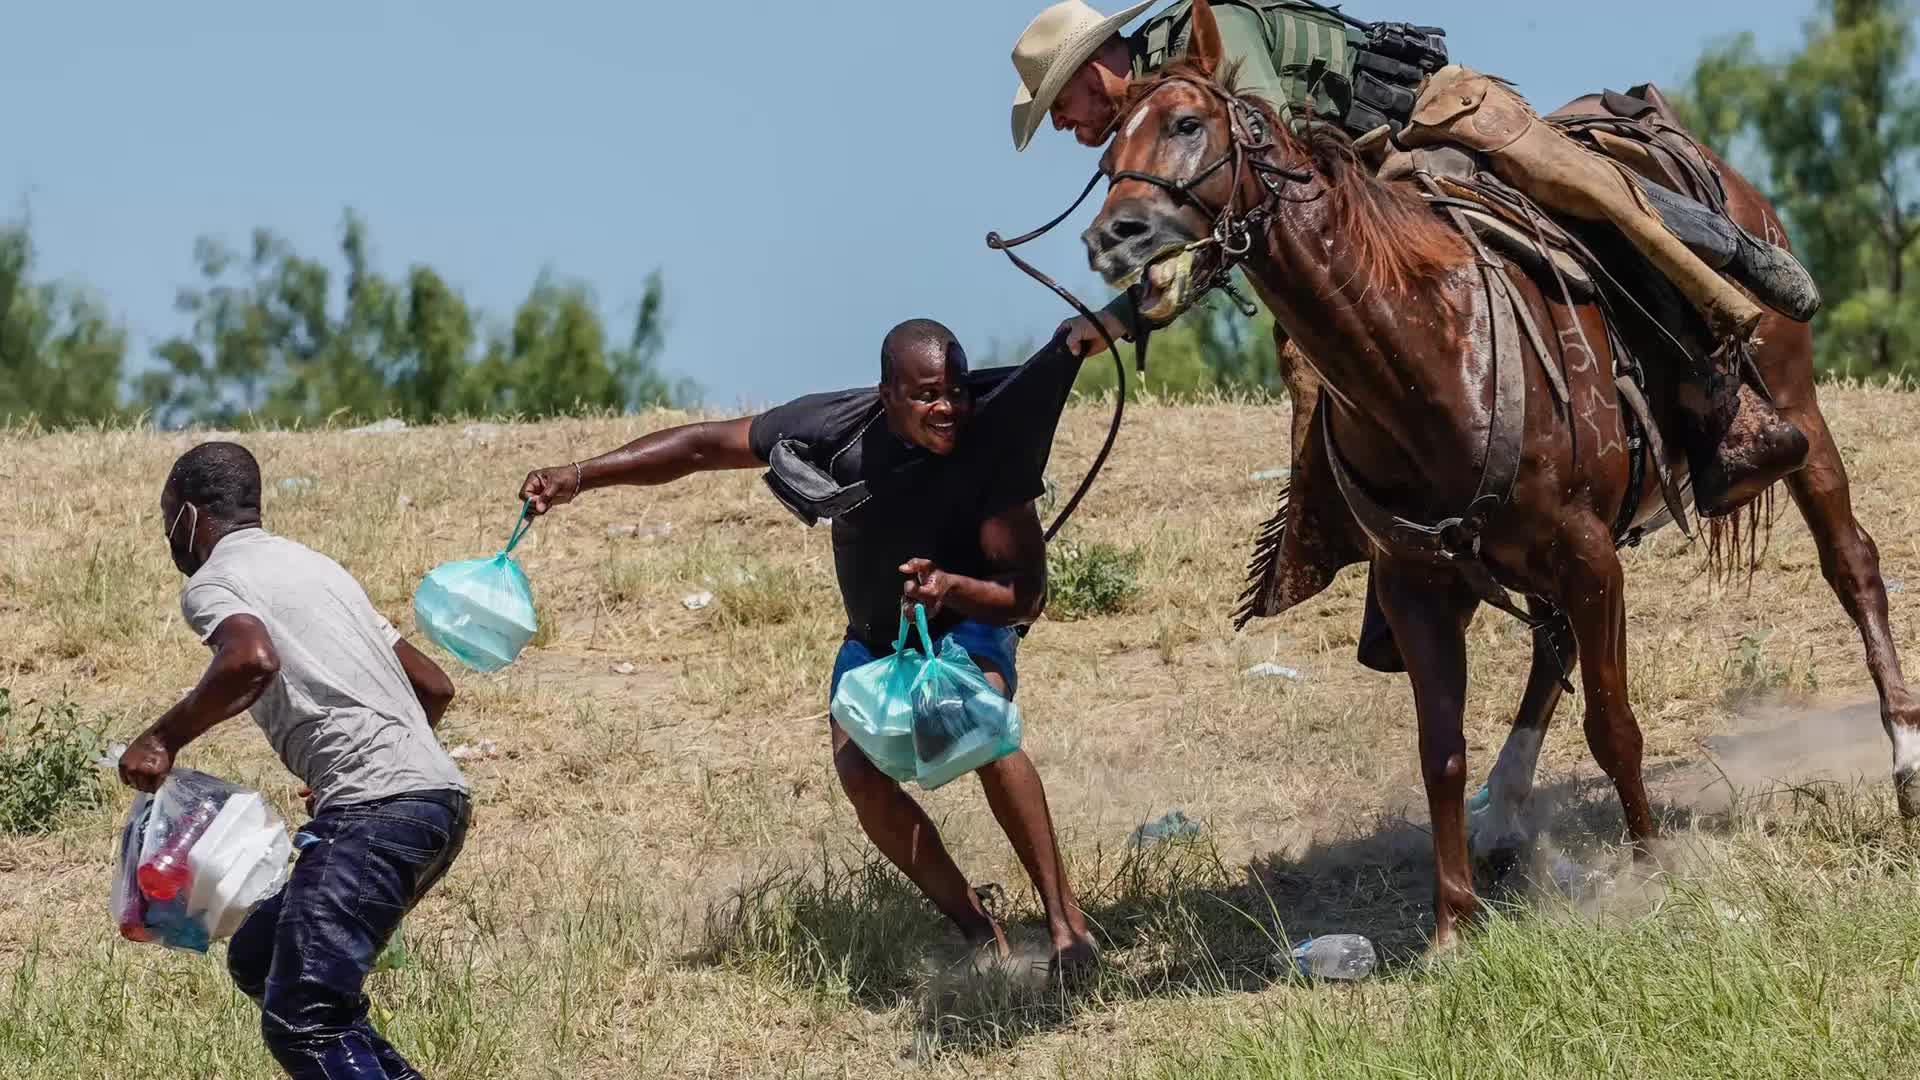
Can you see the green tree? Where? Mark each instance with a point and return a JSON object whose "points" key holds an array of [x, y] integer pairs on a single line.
{"points": [[269, 340], [1832, 132], [61, 354]]}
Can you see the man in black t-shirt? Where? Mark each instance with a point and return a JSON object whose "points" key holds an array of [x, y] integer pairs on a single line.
{"points": [[951, 462]]}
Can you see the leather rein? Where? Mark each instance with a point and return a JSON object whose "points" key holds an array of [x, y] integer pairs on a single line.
{"points": [[1232, 232]]}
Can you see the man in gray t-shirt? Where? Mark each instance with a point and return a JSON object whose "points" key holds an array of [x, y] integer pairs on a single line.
{"points": [[350, 707], [342, 715]]}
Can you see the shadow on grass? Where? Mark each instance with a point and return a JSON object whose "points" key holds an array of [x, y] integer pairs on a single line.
{"points": [[1174, 920]]}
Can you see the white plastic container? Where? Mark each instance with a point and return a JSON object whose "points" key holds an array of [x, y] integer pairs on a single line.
{"points": [[238, 862]]}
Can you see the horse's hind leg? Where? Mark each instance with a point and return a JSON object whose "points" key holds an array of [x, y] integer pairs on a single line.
{"points": [[1851, 564], [1594, 598], [1500, 833], [1429, 611]]}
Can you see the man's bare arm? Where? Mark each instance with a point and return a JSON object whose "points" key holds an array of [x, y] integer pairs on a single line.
{"points": [[244, 663], [1015, 592], [658, 458], [430, 683]]}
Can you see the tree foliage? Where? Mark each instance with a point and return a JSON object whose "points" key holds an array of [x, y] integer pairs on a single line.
{"points": [[61, 353], [1832, 133], [274, 338]]}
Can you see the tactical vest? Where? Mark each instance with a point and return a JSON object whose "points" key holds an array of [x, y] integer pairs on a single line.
{"points": [[1352, 78]]}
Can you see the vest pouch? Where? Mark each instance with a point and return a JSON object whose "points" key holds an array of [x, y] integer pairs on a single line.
{"points": [[1424, 47], [1362, 118], [1394, 102], [1386, 67]]}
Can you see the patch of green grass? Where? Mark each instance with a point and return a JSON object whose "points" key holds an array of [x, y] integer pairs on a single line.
{"points": [[853, 930], [1752, 669], [753, 594], [1095, 578], [46, 766], [1750, 968]]}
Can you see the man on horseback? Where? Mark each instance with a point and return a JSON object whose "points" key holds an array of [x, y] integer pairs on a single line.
{"points": [[1389, 86]]}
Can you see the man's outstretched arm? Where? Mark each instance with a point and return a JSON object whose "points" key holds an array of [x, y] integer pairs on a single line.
{"points": [[658, 458]]}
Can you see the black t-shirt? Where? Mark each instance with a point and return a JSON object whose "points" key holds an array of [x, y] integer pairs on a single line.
{"points": [[998, 464]]}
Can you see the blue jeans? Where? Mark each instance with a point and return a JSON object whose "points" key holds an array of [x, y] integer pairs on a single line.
{"points": [[996, 645], [304, 954]]}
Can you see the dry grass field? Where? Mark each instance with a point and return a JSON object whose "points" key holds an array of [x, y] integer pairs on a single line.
{"points": [[664, 880]]}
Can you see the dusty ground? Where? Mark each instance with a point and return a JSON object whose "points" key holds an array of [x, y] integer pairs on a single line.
{"points": [[653, 764]]}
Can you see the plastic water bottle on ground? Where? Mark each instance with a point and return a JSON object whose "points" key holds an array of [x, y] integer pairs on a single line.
{"points": [[1335, 956]]}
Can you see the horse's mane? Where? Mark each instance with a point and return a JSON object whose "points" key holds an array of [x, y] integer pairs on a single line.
{"points": [[1396, 240]]}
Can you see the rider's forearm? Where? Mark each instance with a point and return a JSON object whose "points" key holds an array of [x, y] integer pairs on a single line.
{"points": [[665, 456]]}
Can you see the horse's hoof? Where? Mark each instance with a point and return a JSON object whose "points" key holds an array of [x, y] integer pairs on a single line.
{"points": [[1496, 835], [1498, 864], [1906, 791], [1439, 951]]}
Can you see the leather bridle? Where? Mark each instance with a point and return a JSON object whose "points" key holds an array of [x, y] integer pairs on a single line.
{"points": [[1248, 145], [1233, 230]]}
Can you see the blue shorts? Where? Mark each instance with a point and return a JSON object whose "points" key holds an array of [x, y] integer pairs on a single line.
{"points": [[995, 645]]}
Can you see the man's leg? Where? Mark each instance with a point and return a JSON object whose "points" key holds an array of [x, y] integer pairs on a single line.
{"points": [[905, 835], [250, 952], [1019, 802], [250, 959], [347, 893]]}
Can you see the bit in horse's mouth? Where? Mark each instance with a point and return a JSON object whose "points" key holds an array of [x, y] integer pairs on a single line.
{"points": [[1168, 283]]}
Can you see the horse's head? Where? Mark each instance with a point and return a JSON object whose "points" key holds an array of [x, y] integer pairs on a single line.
{"points": [[1175, 165]]}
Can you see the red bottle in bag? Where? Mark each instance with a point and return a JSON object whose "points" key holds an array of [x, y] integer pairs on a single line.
{"points": [[164, 875]]}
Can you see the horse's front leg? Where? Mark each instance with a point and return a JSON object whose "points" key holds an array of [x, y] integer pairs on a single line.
{"points": [[1502, 833], [1593, 594], [1428, 609]]}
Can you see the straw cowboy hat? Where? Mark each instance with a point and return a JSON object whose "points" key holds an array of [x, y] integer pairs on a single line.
{"points": [[1050, 50]]}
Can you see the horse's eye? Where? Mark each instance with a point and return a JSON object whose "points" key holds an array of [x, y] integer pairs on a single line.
{"points": [[1188, 125]]}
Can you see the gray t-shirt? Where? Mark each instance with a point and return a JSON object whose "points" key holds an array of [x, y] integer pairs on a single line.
{"points": [[341, 713]]}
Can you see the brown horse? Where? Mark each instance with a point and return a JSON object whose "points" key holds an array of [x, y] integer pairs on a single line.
{"points": [[1396, 312]]}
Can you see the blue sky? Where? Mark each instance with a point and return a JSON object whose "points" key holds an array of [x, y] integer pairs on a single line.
{"points": [[805, 174]]}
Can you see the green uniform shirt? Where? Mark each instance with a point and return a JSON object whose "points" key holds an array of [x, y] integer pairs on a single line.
{"points": [[1279, 52]]}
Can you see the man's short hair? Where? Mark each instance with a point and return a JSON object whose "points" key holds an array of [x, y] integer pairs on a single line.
{"points": [[221, 478], [919, 335]]}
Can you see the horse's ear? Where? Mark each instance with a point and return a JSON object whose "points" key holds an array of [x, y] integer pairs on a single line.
{"points": [[1203, 39]]}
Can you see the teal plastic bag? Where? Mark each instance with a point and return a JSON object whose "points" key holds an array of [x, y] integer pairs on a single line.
{"points": [[960, 722], [874, 703], [480, 610]]}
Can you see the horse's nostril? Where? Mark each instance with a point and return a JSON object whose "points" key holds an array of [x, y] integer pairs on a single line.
{"points": [[1126, 228]]}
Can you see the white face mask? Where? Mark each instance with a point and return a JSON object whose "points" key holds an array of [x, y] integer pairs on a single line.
{"points": [[191, 528], [183, 557]]}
